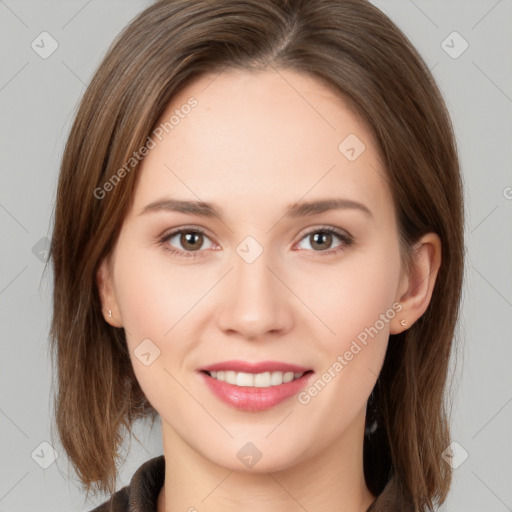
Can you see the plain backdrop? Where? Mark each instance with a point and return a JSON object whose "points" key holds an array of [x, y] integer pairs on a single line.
{"points": [[468, 46]]}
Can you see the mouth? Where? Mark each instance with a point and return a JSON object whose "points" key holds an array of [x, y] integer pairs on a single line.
{"points": [[257, 380], [254, 387]]}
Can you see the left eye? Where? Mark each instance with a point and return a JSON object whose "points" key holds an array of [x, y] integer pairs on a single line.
{"points": [[321, 239]]}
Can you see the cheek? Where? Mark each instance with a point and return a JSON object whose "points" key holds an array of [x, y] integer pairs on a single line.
{"points": [[143, 300], [357, 310], [354, 296], [152, 304], [153, 296], [160, 302]]}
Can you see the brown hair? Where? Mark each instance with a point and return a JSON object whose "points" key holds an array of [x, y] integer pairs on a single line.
{"points": [[347, 44]]}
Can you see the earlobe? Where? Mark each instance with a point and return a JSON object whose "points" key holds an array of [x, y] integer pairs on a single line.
{"points": [[418, 283], [107, 296]]}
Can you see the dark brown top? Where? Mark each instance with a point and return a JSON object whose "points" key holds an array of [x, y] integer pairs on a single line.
{"points": [[141, 495]]}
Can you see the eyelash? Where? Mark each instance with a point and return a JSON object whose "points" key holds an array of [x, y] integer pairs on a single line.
{"points": [[345, 238]]}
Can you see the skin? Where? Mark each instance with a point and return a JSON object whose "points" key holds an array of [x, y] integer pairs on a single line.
{"points": [[256, 143]]}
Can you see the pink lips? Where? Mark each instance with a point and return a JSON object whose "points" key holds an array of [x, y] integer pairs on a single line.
{"points": [[264, 366], [249, 398]]}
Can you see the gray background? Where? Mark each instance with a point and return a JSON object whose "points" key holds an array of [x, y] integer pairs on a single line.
{"points": [[38, 97]]}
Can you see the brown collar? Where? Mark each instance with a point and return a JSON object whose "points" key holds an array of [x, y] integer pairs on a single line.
{"points": [[141, 495]]}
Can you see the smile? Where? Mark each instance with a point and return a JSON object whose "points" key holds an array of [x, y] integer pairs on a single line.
{"points": [[254, 387], [258, 380]]}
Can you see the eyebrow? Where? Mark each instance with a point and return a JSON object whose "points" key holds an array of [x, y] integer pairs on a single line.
{"points": [[299, 209]]}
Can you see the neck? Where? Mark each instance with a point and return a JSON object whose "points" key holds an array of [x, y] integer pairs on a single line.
{"points": [[332, 479]]}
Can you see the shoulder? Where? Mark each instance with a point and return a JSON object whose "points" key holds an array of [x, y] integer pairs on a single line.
{"points": [[141, 494], [118, 502]]}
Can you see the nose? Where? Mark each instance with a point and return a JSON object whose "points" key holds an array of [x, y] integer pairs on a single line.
{"points": [[256, 303]]}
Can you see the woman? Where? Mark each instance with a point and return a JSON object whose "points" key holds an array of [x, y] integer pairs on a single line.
{"points": [[259, 239]]}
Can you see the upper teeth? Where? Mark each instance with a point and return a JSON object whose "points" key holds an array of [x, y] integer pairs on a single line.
{"points": [[258, 380]]}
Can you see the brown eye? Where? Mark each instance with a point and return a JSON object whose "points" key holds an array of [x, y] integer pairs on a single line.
{"points": [[186, 242], [191, 241], [321, 240]]}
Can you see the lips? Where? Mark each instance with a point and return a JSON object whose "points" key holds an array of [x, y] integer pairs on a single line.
{"points": [[254, 386], [261, 367]]}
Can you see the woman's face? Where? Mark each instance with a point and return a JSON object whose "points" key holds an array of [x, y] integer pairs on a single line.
{"points": [[254, 284]]}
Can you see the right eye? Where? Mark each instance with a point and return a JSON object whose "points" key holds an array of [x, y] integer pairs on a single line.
{"points": [[190, 239]]}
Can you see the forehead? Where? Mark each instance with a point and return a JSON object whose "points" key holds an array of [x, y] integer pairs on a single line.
{"points": [[253, 137]]}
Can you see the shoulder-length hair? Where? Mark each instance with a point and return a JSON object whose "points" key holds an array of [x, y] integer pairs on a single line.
{"points": [[347, 44]]}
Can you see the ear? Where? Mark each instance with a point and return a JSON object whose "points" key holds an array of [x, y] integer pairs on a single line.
{"points": [[417, 283], [104, 281]]}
